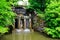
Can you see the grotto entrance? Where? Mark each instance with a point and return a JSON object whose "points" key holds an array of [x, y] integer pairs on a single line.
{"points": [[24, 18]]}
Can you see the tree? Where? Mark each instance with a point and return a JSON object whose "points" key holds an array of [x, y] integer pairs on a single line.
{"points": [[37, 5], [6, 15], [52, 18]]}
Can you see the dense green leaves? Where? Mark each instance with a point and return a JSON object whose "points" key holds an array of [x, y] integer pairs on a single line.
{"points": [[37, 5], [52, 18], [6, 15], [3, 30], [52, 32]]}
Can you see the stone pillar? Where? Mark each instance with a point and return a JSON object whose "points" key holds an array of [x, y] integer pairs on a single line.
{"points": [[19, 21], [24, 23], [30, 22]]}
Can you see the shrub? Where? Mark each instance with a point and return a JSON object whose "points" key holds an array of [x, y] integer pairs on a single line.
{"points": [[37, 5], [3, 30], [52, 18], [6, 15]]}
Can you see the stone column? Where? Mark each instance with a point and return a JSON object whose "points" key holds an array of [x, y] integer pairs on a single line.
{"points": [[24, 22], [19, 21], [30, 22]]}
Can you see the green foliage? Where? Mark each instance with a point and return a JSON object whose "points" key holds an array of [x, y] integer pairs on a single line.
{"points": [[13, 2], [52, 18], [52, 32], [3, 30], [6, 15], [58, 29], [41, 15], [37, 5]]}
